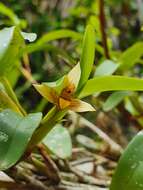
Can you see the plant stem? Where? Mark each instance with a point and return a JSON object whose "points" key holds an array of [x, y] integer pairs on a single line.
{"points": [[51, 168], [48, 122], [102, 28]]}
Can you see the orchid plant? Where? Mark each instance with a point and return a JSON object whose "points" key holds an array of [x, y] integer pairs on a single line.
{"points": [[20, 132], [17, 126]]}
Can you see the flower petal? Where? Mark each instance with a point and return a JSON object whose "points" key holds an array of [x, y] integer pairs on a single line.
{"points": [[80, 106], [63, 103], [58, 85], [46, 92], [74, 75]]}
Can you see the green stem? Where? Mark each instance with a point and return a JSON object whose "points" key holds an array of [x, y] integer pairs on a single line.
{"points": [[48, 122]]}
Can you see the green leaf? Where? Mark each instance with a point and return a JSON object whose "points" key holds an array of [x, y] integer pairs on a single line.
{"points": [[108, 67], [131, 56], [9, 13], [58, 141], [9, 91], [88, 53], [6, 101], [11, 46], [114, 99], [54, 35], [14, 75], [111, 83], [15, 134], [57, 52], [13, 18], [130, 107], [11, 43], [129, 172]]}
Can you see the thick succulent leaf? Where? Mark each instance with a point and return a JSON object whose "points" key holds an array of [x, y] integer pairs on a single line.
{"points": [[58, 141], [131, 56], [11, 44], [107, 67], [129, 172], [87, 57], [111, 83], [114, 99], [15, 133], [54, 35]]}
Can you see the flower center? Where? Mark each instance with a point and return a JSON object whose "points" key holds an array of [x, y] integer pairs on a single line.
{"points": [[66, 96]]}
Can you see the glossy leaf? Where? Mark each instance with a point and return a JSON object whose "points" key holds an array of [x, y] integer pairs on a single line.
{"points": [[54, 35], [11, 44], [15, 133], [87, 57], [131, 56], [107, 67], [114, 99], [58, 141], [129, 172], [111, 83]]}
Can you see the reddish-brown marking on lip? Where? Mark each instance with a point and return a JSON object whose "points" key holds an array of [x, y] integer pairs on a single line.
{"points": [[68, 92]]}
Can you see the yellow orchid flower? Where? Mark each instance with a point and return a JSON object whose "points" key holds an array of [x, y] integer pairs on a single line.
{"points": [[61, 92]]}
